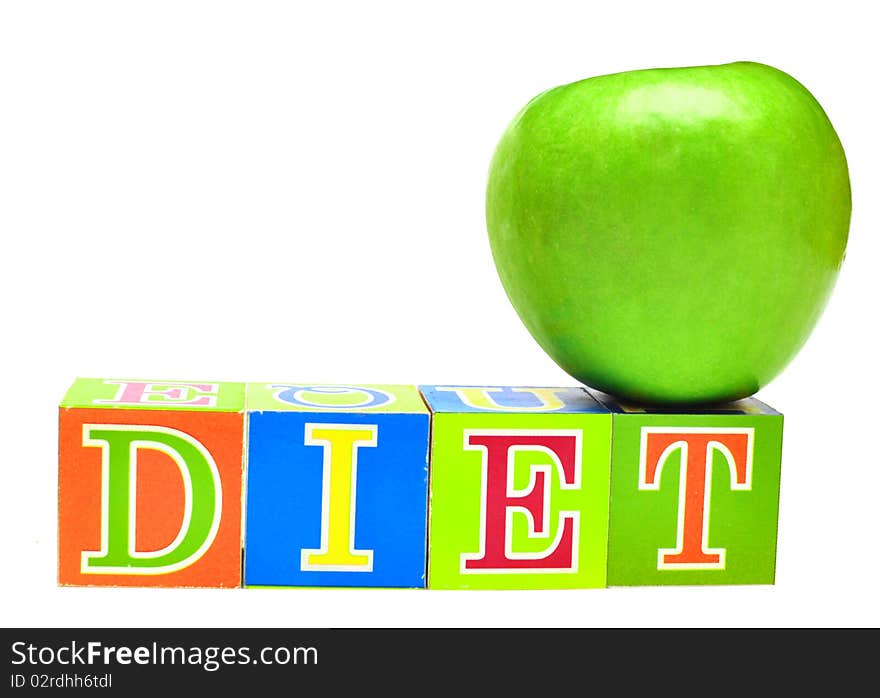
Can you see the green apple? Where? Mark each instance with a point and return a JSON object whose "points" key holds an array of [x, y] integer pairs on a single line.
{"points": [[671, 235]]}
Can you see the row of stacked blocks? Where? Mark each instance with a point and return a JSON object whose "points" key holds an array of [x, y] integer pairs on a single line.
{"points": [[446, 487]]}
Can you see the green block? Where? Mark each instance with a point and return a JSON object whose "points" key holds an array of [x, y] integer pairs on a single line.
{"points": [[519, 488], [155, 395], [694, 495]]}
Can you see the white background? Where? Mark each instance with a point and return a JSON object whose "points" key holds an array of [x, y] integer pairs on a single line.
{"points": [[294, 191]]}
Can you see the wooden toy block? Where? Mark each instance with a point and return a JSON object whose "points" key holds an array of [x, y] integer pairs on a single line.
{"points": [[150, 483], [694, 495], [519, 488], [337, 486]]}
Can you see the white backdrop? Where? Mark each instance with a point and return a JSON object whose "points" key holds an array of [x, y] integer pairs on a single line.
{"points": [[206, 190]]}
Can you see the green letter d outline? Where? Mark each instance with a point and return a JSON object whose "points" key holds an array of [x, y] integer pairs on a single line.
{"points": [[203, 499]]}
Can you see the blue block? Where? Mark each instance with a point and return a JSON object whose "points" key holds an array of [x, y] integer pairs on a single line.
{"points": [[298, 515]]}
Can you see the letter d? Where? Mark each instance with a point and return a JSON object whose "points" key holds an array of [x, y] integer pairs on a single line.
{"points": [[119, 444]]}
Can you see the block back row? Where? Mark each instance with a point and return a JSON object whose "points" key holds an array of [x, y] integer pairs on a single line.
{"points": [[439, 486]]}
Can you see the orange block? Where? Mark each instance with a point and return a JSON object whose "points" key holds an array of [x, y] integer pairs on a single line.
{"points": [[151, 495]]}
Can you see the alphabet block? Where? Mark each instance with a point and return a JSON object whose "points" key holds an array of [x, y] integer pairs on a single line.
{"points": [[337, 486], [694, 495], [519, 488], [149, 483]]}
